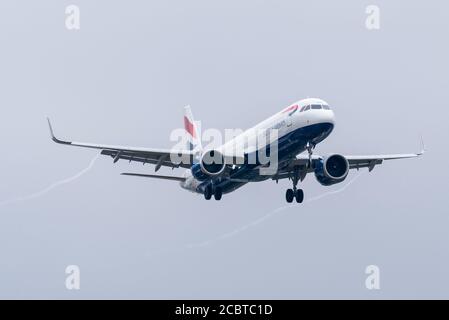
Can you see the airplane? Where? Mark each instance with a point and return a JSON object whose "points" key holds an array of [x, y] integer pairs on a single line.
{"points": [[300, 127]]}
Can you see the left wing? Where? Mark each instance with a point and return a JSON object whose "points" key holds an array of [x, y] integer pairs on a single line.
{"points": [[357, 162], [159, 157], [300, 163]]}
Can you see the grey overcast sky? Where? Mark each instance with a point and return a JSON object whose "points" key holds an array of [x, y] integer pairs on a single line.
{"points": [[124, 78]]}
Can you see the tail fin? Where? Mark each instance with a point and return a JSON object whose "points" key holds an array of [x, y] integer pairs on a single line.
{"points": [[192, 130]]}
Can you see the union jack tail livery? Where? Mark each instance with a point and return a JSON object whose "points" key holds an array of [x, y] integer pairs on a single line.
{"points": [[192, 131]]}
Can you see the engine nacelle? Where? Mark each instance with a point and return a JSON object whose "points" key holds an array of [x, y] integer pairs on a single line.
{"points": [[332, 169], [212, 164]]}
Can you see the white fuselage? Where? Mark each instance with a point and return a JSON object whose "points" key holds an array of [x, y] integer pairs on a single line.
{"points": [[286, 122]]}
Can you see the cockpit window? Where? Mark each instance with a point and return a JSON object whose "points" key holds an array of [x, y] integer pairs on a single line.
{"points": [[315, 107]]}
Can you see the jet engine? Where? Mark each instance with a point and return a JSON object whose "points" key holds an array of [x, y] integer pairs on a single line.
{"points": [[332, 169], [212, 163]]}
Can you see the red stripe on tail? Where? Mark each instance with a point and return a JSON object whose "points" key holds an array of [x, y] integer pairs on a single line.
{"points": [[189, 127]]}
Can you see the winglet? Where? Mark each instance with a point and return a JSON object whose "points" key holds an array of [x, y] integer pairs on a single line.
{"points": [[423, 147], [53, 137], [51, 129]]}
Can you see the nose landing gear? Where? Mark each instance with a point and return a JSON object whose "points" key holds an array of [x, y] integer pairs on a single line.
{"points": [[310, 146], [295, 193]]}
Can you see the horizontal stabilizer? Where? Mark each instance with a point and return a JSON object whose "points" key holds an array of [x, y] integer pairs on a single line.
{"points": [[181, 179]]}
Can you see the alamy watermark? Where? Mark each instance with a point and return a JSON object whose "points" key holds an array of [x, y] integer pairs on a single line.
{"points": [[72, 17], [73, 279], [372, 281], [254, 147], [372, 21]]}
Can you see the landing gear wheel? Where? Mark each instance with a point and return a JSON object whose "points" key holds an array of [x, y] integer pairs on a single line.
{"points": [[208, 193], [218, 194], [289, 195], [299, 196]]}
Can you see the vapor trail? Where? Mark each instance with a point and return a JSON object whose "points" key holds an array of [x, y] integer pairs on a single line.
{"points": [[52, 186], [268, 216]]}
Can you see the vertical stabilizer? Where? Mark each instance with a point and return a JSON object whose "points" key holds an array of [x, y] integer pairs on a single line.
{"points": [[192, 130]]}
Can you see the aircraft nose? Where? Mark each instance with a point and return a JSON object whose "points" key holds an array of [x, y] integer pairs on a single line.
{"points": [[328, 117]]}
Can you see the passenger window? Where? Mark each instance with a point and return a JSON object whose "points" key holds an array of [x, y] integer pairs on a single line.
{"points": [[316, 106]]}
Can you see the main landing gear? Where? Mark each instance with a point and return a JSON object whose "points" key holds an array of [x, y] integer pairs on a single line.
{"points": [[217, 192], [294, 193]]}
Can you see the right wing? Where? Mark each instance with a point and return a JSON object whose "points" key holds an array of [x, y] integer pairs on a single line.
{"points": [[159, 157]]}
